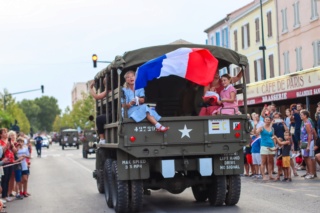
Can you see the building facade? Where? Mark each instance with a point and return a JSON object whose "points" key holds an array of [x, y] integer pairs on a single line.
{"points": [[77, 91]]}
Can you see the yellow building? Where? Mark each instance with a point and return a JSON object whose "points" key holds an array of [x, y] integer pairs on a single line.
{"points": [[246, 38]]}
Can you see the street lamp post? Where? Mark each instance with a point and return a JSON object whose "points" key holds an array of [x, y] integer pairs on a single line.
{"points": [[263, 47], [4, 96]]}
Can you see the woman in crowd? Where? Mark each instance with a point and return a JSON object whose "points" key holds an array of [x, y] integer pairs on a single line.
{"points": [[267, 143], [307, 142], [134, 102], [13, 137], [7, 149]]}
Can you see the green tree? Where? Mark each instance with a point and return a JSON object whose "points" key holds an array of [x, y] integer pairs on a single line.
{"points": [[32, 110], [49, 110], [5, 119]]}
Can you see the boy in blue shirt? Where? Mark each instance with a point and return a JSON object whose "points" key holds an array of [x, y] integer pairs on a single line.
{"points": [[256, 157]]}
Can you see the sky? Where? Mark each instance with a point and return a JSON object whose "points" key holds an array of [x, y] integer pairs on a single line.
{"points": [[50, 43]]}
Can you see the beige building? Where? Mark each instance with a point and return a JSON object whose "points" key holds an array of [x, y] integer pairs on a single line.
{"points": [[77, 91]]}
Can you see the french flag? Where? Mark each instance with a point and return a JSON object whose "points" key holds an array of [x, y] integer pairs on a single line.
{"points": [[194, 64]]}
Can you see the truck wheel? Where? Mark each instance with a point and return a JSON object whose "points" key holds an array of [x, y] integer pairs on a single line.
{"points": [[108, 181], [217, 190], [200, 193], [99, 169], [120, 191], [233, 190], [136, 195]]}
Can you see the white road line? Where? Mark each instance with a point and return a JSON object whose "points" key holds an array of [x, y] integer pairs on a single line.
{"points": [[82, 166], [312, 195]]}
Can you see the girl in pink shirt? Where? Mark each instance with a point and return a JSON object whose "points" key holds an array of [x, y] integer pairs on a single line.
{"points": [[228, 97]]}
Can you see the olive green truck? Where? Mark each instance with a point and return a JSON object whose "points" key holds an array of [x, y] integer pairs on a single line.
{"points": [[201, 152]]}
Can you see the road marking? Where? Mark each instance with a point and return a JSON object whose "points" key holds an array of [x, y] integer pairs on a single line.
{"points": [[82, 166], [312, 195]]}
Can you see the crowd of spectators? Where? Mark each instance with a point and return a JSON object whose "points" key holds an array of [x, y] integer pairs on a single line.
{"points": [[290, 142], [15, 152]]}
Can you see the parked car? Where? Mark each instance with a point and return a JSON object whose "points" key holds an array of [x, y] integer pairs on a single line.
{"points": [[45, 142], [50, 139]]}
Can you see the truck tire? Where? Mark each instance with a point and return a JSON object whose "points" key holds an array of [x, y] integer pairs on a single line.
{"points": [[99, 170], [217, 190], [120, 191], [200, 193], [136, 195], [108, 181], [233, 190]]}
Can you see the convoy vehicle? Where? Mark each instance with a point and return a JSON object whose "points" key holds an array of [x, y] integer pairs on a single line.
{"points": [[89, 142], [69, 138], [201, 152]]}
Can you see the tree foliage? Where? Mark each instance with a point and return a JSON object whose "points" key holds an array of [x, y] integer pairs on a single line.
{"points": [[32, 110], [49, 110]]}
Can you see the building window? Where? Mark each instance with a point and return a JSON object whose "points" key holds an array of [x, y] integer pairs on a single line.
{"points": [[296, 14], [225, 41], [271, 66], [223, 71], [316, 53], [257, 30], [286, 62], [212, 40], [284, 21], [245, 31], [299, 58], [314, 10], [258, 70], [217, 38], [269, 19], [235, 35]]}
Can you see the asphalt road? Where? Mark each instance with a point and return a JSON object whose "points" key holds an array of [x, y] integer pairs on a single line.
{"points": [[61, 181]]}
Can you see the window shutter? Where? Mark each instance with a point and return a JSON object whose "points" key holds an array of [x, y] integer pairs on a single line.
{"points": [[262, 69], [255, 71], [235, 40], [271, 66], [269, 24], [247, 74], [248, 34], [242, 35], [257, 30]]}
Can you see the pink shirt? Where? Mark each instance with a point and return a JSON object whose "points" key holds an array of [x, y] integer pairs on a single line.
{"points": [[226, 94]]}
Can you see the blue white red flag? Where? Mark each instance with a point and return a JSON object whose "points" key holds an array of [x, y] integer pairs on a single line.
{"points": [[194, 64]]}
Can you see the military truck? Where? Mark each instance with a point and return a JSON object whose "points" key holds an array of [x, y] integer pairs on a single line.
{"points": [[69, 138], [201, 152]]}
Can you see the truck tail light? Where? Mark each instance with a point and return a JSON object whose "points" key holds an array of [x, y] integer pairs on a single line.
{"points": [[132, 139], [237, 135]]}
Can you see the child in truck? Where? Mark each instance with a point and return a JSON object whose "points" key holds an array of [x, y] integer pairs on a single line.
{"points": [[228, 97], [134, 102]]}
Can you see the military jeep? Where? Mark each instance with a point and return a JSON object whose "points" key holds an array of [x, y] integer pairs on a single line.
{"points": [[201, 152], [69, 138], [89, 142]]}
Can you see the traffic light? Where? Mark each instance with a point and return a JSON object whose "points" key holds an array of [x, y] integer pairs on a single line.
{"points": [[42, 88], [94, 59]]}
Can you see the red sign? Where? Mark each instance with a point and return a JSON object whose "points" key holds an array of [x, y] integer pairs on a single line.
{"points": [[283, 96]]}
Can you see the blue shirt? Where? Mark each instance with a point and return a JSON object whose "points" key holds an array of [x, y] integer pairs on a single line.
{"points": [[38, 140], [266, 139], [255, 145]]}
